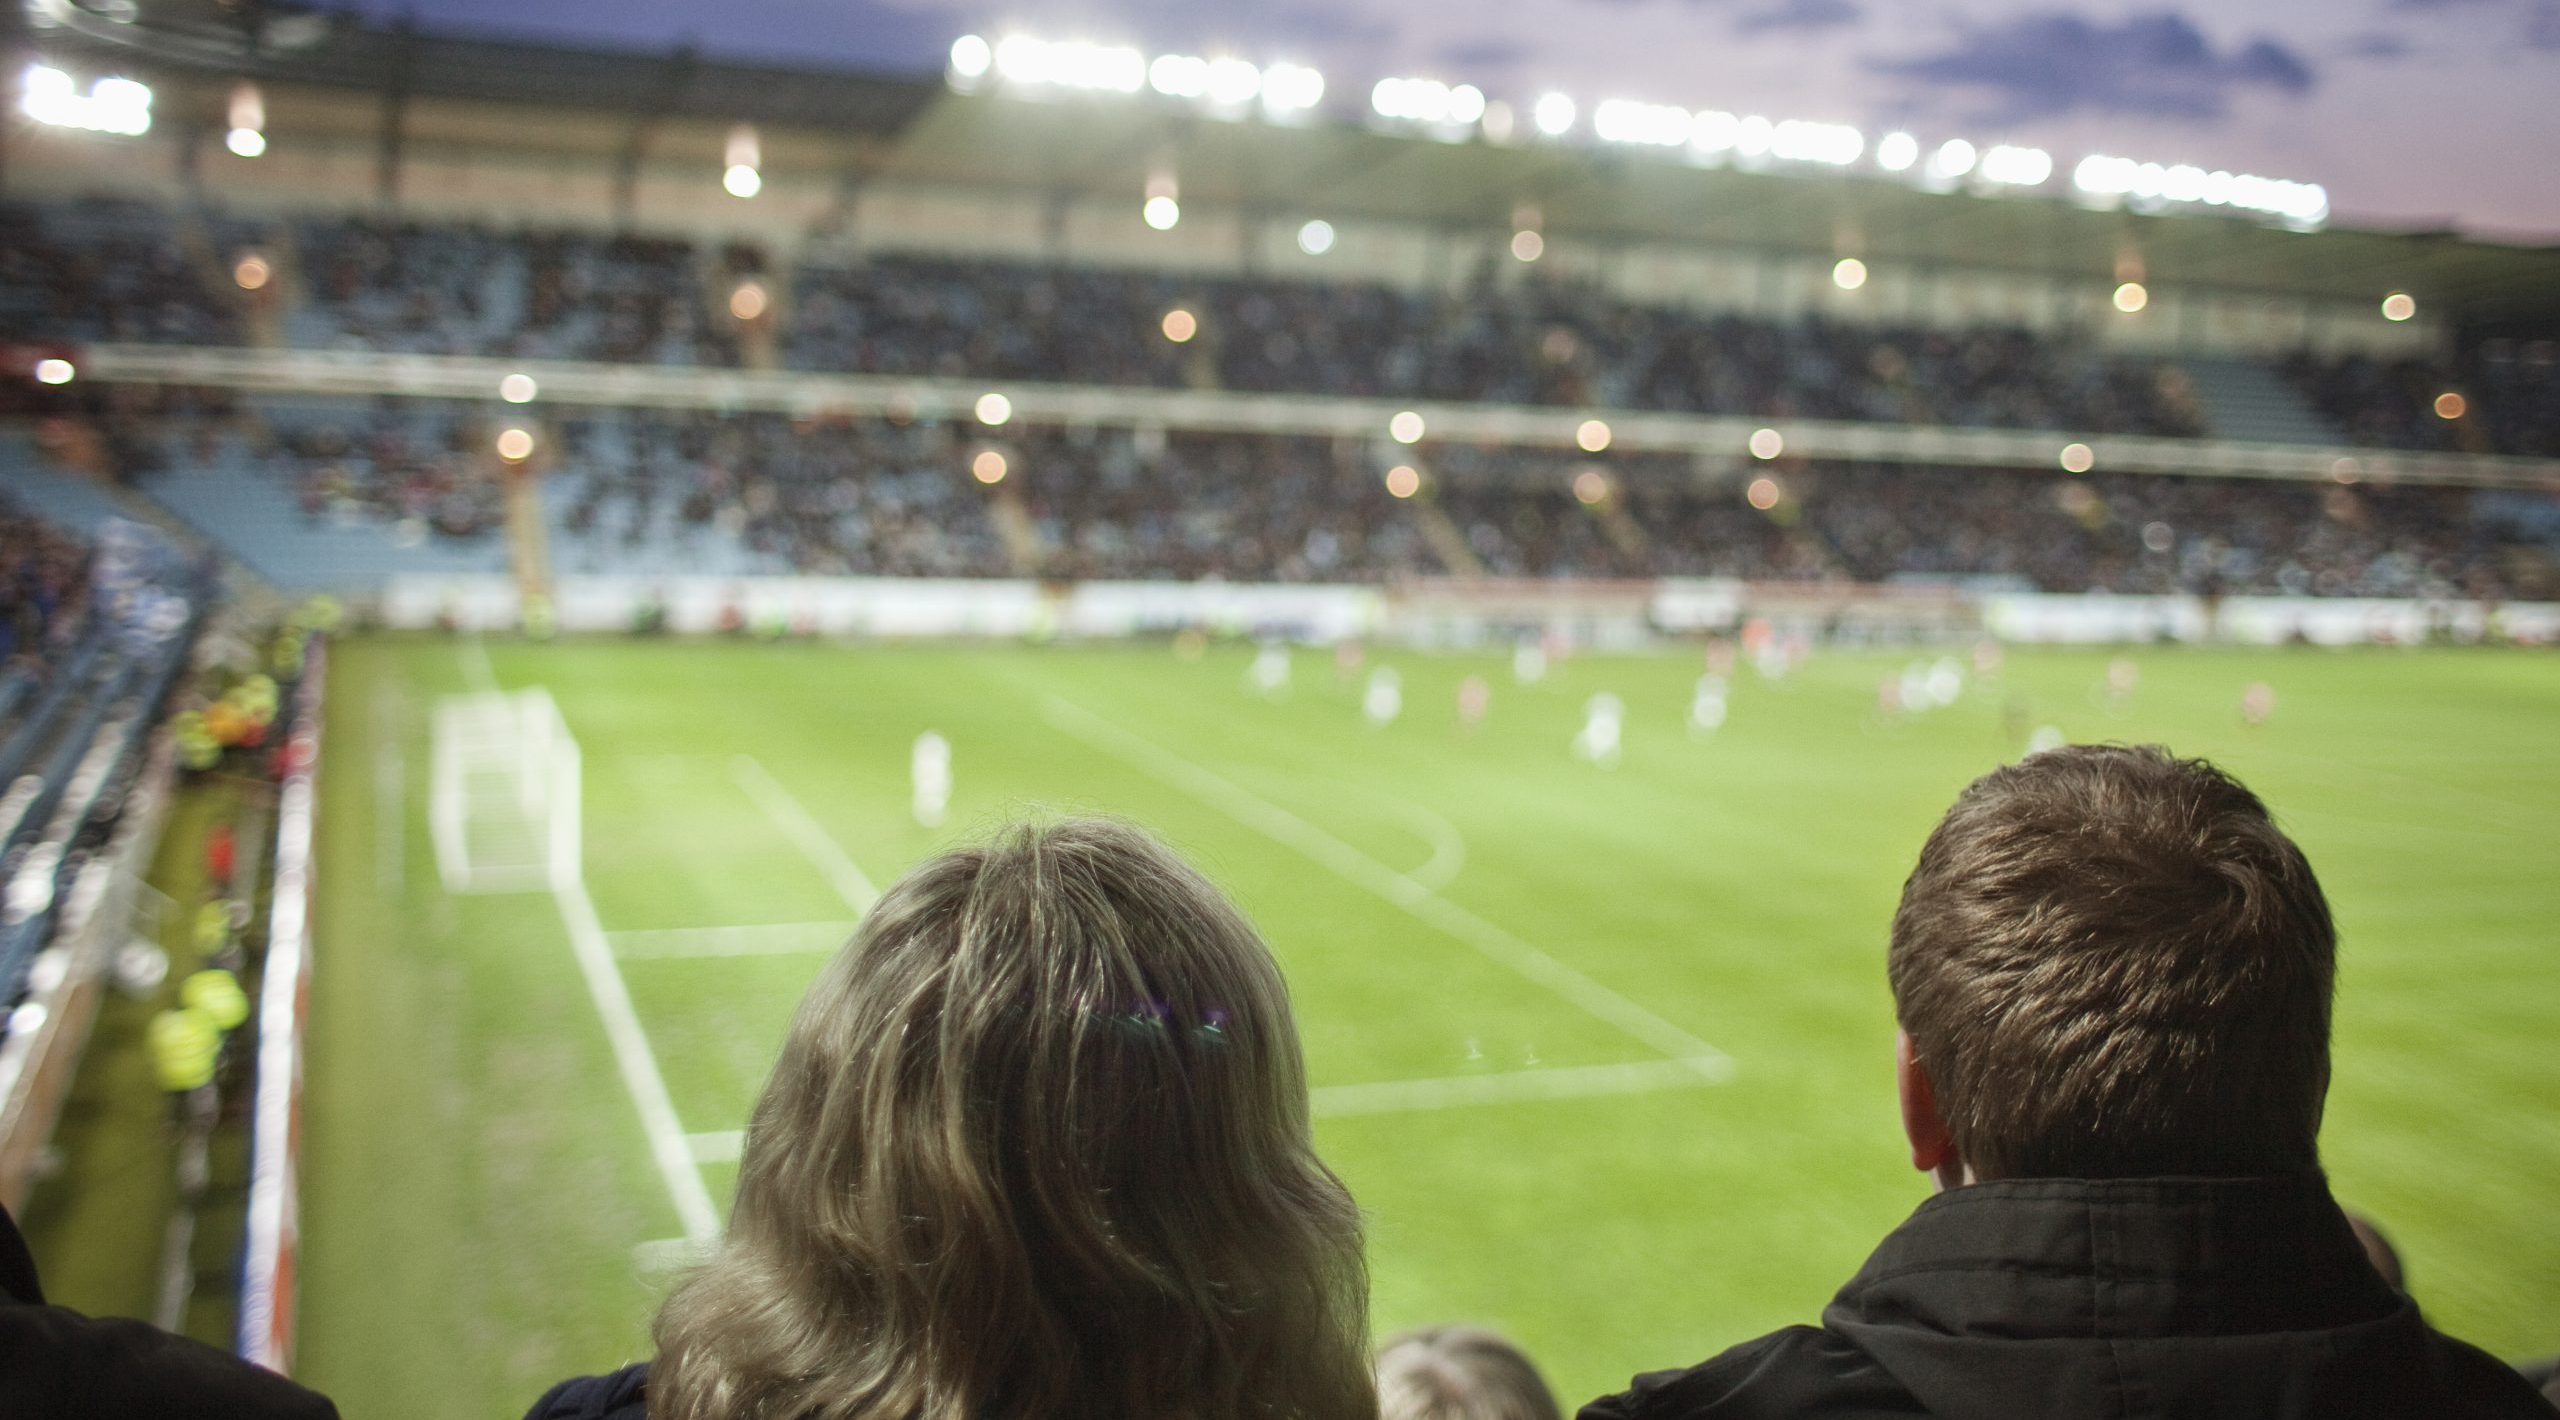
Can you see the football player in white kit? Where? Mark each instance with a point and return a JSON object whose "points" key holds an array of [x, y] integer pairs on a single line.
{"points": [[930, 768]]}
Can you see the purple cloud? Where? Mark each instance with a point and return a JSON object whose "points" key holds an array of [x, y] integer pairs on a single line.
{"points": [[1802, 15], [2157, 64]]}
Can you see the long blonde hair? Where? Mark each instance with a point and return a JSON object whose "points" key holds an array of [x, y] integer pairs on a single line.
{"points": [[1037, 1146]]}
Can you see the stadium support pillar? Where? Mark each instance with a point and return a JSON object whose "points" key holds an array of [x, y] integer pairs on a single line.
{"points": [[528, 539], [395, 111]]}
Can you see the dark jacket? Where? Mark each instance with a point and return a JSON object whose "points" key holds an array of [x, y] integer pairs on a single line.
{"points": [[2165, 1299], [622, 1395], [54, 1362]]}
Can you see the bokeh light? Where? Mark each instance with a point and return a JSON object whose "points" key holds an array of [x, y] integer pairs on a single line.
{"points": [[1593, 436], [2132, 296], [988, 467], [1180, 325], [1591, 486], [994, 408], [1762, 494], [252, 273], [515, 445], [518, 388], [2450, 405], [749, 301], [2398, 306], [1528, 246], [2078, 458], [1404, 480], [1406, 427], [1767, 443], [1316, 237], [54, 372], [1849, 274]]}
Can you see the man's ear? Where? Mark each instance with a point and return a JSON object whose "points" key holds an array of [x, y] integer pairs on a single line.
{"points": [[1933, 1148]]}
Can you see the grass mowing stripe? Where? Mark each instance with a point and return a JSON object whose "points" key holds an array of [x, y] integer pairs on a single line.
{"points": [[749, 940], [1364, 871]]}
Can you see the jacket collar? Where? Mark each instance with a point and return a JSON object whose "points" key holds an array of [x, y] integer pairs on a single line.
{"points": [[17, 1266], [2121, 1258]]}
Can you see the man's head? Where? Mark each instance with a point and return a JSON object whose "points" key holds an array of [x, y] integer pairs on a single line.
{"points": [[2110, 963]]}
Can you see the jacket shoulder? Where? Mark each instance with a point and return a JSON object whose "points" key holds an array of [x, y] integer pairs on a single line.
{"points": [[56, 1362], [2475, 1385], [1794, 1371], [620, 1395]]}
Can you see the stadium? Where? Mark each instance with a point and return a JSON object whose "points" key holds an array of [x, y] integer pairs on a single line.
{"points": [[515, 546]]}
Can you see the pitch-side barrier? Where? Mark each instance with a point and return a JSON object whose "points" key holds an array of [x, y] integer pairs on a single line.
{"points": [[1442, 612]]}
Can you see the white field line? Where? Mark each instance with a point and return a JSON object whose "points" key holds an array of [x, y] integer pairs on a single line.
{"points": [[1418, 1096], [805, 833], [1358, 868], [477, 670], [1448, 846], [721, 1146], [631, 1053], [756, 940]]}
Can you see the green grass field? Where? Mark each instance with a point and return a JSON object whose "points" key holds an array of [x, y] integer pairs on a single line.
{"points": [[480, 1191]]}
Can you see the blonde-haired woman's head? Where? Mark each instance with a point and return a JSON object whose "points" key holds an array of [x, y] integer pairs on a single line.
{"points": [[1459, 1373], [1037, 1145]]}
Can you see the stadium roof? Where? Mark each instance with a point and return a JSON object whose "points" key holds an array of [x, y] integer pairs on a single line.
{"points": [[1108, 146]]}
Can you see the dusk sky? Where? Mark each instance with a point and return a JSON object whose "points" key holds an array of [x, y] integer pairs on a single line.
{"points": [[2414, 113]]}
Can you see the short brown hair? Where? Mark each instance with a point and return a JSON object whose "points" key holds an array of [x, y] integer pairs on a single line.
{"points": [[1459, 1373], [1037, 1144], [2111, 963]]}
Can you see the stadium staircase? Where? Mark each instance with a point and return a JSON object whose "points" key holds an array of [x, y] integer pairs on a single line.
{"points": [[1457, 557], [2247, 402], [1023, 545], [1623, 530]]}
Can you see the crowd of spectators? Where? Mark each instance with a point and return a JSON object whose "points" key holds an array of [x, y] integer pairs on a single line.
{"points": [[2502, 396], [462, 289], [878, 497], [105, 270], [102, 268], [1551, 342], [44, 581]]}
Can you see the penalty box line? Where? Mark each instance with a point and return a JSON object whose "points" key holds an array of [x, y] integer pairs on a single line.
{"points": [[632, 1056], [806, 834], [1684, 1050]]}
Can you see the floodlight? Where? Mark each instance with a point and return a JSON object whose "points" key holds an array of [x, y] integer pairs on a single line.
{"points": [[1553, 114], [1896, 152]]}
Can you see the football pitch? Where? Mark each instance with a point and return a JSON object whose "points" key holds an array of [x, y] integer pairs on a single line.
{"points": [[1605, 1054]]}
